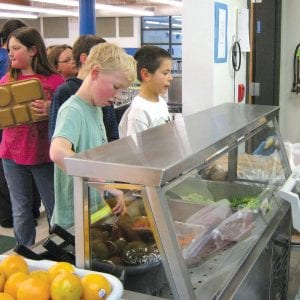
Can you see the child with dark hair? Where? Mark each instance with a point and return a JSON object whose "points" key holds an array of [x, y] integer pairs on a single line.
{"points": [[81, 49], [5, 204], [25, 148], [8, 27], [148, 109]]}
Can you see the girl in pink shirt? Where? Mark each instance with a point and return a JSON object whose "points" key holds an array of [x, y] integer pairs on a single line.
{"points": [[25, 148]]}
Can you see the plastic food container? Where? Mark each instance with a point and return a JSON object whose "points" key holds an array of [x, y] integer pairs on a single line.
{"points": [[15, 101], [117, 287]]}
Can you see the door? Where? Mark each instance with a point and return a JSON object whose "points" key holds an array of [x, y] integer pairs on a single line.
{"points": [[264, 59]]}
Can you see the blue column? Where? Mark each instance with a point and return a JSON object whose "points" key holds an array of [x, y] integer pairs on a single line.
{"points": [[87, 17]]}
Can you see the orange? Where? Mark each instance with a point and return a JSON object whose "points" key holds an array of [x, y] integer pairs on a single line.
{"points": [[2, 280], [12, 264], [33, 289], [13, 282], [60, 267], [66, 286], [41, 274], [95, 287], [4, 296]]}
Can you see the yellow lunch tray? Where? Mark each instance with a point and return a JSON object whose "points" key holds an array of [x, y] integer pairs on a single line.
{"points": [[15, 102]]}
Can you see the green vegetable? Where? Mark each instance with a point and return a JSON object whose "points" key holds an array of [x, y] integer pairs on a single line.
{"points": [[253, 203], [248, 202]]}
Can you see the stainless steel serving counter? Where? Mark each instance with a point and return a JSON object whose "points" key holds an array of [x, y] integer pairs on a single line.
{"points": [[160, 163]]}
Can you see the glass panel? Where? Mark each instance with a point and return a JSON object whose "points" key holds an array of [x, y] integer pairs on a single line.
{"points": [[176, 36], [217, 221], [156, 36], [125, 245], [176, 51], [155, 22], [176, 22]]}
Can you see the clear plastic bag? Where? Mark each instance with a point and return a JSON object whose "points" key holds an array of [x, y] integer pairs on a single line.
{"points": [[188, 235], [212, 214], [249, 167], [236, 227]]}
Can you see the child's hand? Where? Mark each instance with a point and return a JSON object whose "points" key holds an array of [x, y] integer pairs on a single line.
{"points": [[41, 107], [120, 207]]}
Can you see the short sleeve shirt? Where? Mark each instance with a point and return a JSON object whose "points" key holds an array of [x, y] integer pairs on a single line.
{"points": [[82, 125]]}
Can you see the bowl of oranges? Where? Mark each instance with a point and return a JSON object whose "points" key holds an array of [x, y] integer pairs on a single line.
{"points": [[25, 279]]}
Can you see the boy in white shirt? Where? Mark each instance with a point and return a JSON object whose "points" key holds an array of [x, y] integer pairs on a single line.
{"points": [[148, 109]]}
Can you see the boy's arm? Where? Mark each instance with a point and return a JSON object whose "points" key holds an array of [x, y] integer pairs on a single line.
{"points": [[59, 149]]}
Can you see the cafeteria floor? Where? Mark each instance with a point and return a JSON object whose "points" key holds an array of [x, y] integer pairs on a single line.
{"points": [[42, 229]]}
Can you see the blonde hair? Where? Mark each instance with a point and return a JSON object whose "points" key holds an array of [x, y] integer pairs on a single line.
{"points": [[110, 57]]}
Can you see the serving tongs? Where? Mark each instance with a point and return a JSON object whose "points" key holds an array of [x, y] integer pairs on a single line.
{"points": [[289, 193], [111, 202]]}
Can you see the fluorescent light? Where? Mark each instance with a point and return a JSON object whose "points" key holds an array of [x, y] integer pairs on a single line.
{"points": [[64, 3], [169, 2], [162, 23], [47, 11], [124, 9], [105, 7], [17, 15]]}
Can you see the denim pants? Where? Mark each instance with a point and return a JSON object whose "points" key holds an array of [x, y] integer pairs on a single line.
{"points": [[19, 180]]}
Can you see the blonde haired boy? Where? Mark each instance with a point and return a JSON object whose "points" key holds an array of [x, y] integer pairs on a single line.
{"points": [[79, 126]]}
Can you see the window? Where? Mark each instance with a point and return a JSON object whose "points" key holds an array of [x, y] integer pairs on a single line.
{"points": [[165, 32]]}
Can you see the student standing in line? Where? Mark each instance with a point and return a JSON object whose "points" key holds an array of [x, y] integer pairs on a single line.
{"points": [[5, 204], [25, 148], [61, 57], [81, 50], [148, 108], [79, 126]]}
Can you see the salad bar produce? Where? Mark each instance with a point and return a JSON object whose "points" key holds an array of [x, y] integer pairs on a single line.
{"points": [[60, 281], [245, 202]]}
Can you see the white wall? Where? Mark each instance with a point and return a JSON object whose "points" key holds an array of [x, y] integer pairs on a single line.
{"points": [[289, 102], [197, 55], [223, 73], [205, 83]]}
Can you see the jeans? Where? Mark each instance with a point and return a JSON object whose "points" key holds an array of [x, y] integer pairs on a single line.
{"points": [[19, 182], [5, 205]]}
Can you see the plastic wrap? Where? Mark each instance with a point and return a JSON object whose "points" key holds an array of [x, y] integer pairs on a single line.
{"points": [[249, 167], [211, 215], [188, 236], [231, 230]]}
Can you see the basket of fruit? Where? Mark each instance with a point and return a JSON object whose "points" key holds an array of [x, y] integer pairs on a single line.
{"points": [[23, 279]]}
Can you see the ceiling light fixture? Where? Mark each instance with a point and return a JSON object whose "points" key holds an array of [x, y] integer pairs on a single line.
{"points": [[48, 11], [124, 9], [13, 14], [105, 7], [162, 23], [169, 2]]}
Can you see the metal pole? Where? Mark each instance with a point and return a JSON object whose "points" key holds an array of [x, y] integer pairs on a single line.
{"points": [[87, 17]]}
